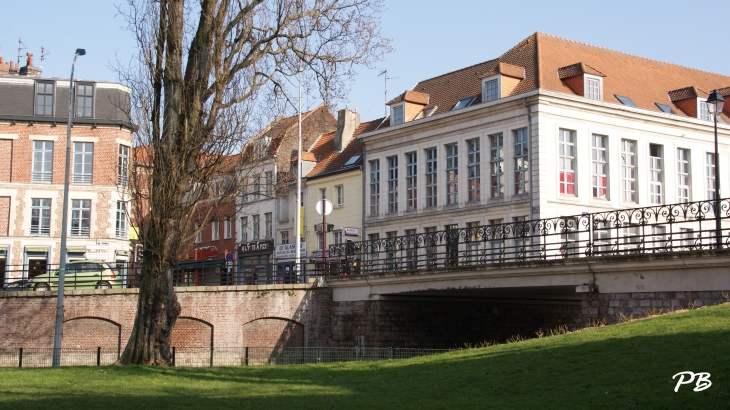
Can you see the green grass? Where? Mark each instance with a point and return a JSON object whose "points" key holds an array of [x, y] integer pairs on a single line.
{"points": [[624, 366]]}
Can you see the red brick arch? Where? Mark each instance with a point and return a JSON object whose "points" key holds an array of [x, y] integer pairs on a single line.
{"points": [[272, 332], [192, 332], [91, 332]]}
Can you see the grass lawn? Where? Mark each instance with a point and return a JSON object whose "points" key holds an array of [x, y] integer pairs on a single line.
{"points": [[623, 366]]}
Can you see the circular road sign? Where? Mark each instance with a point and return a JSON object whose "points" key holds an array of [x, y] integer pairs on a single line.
{"points": [[327, 207], [229, 256]]}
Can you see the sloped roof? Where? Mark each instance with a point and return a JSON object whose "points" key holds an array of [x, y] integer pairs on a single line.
{"points": [[411, 96], [548, 59], [335, 161], [506, 69]]}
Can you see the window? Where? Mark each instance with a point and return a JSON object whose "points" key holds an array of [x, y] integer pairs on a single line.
{"points": [[123, 167], [411, 249], [80, 217], [245, 197], [256, 187], [601, 237], [569, 238], [256, 227], [710, 175], [630, 239], [411, 181], [322, 193], [84, 100], [244, 229], [474, 164], [665, 108], [703, 111], [496, 162], [44, 99], [472, 242], [655, 174], [521, 232], [431, 180], [121, 227], [628, 171], [42, 161], [268, 228], [319, 241], [491, 90], [392, 184], [625, 100], [593, 88], [683, 178], [40, 216], [452, 173], [83, 163], [337, 237], [430, 240], [452, 244], [390, 245], [215, 230], [599, 166], [374, 187], [352, 161], [496, 226], [566, 153], [463, 103], [227, 227], [284, 237], [198, 233], [269, 187], [340, 193], [521, 162], [397, 113]]}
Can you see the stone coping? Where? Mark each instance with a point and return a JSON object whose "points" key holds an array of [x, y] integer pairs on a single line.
{"points": [[313, 284]]}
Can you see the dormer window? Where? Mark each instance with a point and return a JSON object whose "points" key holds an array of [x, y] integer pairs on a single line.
{"points": [[491, 89], [44, 98], [463, 103], [593, 87], [396, 114], [665, 108], [703, 112]]}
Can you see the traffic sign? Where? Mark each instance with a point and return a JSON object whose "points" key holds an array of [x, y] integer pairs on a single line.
{"points": [[327, 207], [229, 256], [97, 255]]}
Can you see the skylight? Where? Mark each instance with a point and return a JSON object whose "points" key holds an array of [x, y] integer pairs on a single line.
{"points": [[353, 159], [463, 103], [665, 108], [625, 100]]}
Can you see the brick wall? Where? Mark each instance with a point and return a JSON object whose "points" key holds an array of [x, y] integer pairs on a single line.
{"points": [[443, 323], [6, 155], [89, 333], [274, 332], [611, 306], [190, 332], [4, 215]]}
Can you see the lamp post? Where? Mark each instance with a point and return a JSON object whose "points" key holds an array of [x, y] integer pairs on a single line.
{"points": [[715, 103], [64, 221]]}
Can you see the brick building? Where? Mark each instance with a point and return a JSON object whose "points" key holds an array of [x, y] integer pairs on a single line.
{"points": [[33, 118]]}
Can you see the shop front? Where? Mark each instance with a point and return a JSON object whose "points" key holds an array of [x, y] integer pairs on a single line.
{"points": [[255, 264], [36, 260], [285, 256], [208, 269]]}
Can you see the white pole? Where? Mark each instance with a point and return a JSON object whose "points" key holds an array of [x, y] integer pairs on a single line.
{"points": [[297, 221]]}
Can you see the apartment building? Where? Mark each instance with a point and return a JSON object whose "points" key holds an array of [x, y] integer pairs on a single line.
{"points": [[33, 119], [550, 128]]}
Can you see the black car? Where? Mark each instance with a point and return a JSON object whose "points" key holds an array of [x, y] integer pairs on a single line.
{"points": [[17, 286]]}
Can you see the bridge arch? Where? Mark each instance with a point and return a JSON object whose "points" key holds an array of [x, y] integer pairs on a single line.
{"points": [[272, 332], [90, 332], [192, 332]]}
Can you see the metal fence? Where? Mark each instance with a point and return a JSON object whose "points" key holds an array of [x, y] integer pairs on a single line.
{"points": [[210, 357], [663, 228]]}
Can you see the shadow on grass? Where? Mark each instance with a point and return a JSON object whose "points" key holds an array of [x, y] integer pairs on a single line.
{"points": [[614, 367]]}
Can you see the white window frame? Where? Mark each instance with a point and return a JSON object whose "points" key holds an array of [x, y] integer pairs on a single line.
{"points": [[256, 227], [567, 161], [85, 159], [628, 171], [215, 230], [41, 214], [703, 111], [227, 227], [452, 173], [80, 216], [392, 184], [496, 165], [284, 237], [121, 220], [587, 79], [198, 234], [656, 176], [498, 79], [45, 165], [522, 161], [244, 229], [710, 175], [431, 177], [268, 225], [411, 180], [684, 175], [474, 169], [599, 160], [395, 120], [123, 166], [337, 237], [340, 195], [374, 187]]}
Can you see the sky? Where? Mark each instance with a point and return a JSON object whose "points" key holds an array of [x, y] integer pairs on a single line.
{"points": [[429, 37]]}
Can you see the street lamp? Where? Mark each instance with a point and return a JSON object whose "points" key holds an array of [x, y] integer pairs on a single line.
{"points": [[715, 103], [64, 220]]}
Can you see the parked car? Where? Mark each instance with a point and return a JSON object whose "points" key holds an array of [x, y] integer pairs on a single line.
{"points": [[79, 275], [17, 286]]}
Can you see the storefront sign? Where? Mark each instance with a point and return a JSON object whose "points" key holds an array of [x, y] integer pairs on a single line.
{"points": [[256, 247], [288, 250], [205, 253], [102, 256], [38, 249], [351, 231]]}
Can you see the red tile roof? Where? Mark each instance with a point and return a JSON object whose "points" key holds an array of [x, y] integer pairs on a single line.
{"points": [[506, 69], [335, 161], [411, 96], [686, 93], [577, 69]]}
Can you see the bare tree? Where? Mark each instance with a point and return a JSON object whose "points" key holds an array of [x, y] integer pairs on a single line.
{"points": [[203, 72]]}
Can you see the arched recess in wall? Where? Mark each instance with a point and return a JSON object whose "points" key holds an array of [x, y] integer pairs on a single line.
{"points": [[192, 332], [90, 333], [273, 332]]}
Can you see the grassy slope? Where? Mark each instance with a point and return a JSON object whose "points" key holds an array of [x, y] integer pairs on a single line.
{"points": [[622, 366]]}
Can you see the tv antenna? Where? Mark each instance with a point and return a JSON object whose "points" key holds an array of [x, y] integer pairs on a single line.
{"points": [[44, 53], [21, 47], [384, 73]]}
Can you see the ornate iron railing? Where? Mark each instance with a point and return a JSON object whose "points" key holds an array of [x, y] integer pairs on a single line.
{"points": [[662, 228]]}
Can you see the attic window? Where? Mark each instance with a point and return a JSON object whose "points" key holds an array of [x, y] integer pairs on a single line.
{"points": [[625, 100], [463, 103], [592, 87], [703, 111], [665, 108], [352, 161], [396, 112]]}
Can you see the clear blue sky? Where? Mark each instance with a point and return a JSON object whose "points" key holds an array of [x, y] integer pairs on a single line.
{"points": [[430, 37]]}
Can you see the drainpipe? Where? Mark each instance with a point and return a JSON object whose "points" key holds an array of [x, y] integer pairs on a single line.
{"points": [[529, 166], [365, 199]]}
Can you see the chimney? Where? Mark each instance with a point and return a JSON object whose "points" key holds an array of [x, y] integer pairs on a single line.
{"points": [[4, 67], [29, 69], [347, 122], [13, 68]]}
